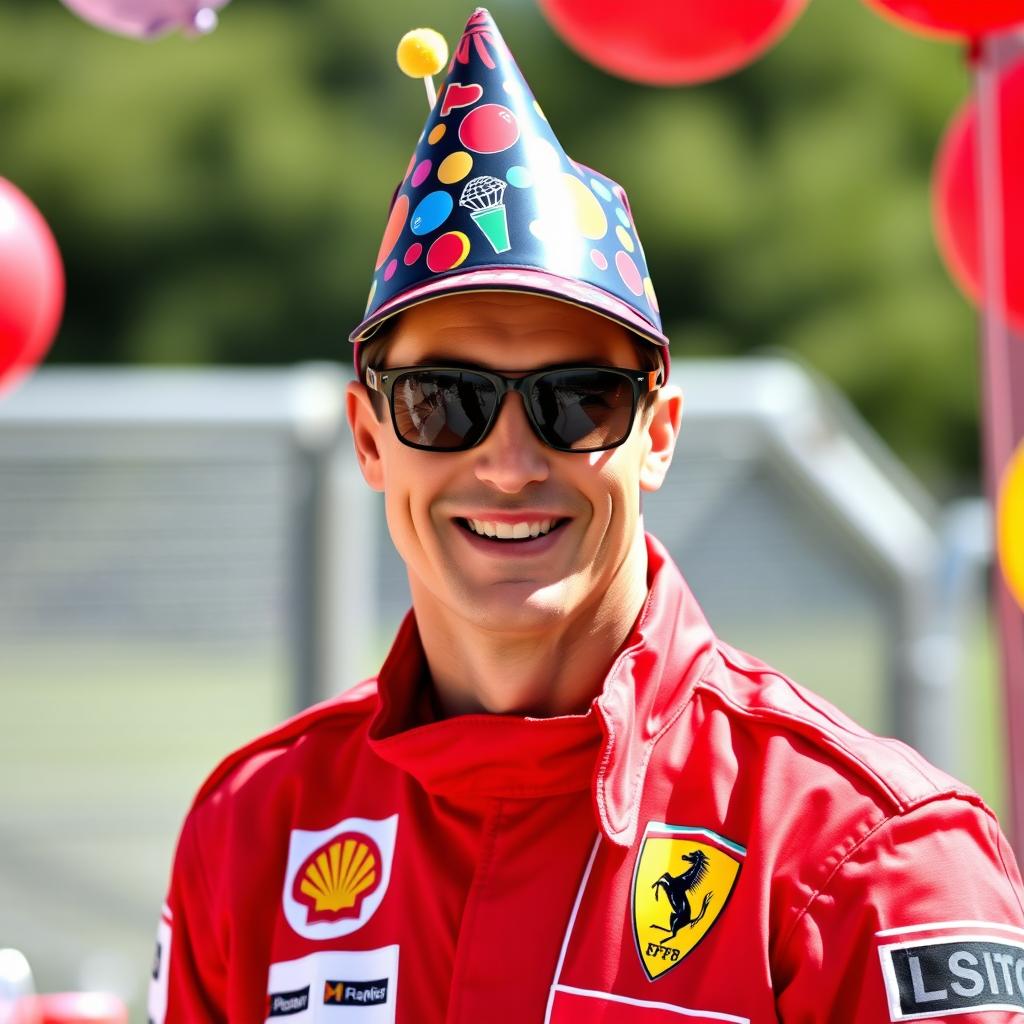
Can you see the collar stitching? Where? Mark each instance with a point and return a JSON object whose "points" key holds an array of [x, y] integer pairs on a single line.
{"points": [[635, 787]]}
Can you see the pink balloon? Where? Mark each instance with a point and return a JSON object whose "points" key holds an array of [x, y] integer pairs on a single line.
{"points": [[147, 19], [72, 1008]]}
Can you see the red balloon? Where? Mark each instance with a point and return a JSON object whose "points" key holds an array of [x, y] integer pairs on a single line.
{"points": [[31, 285], [671, 42], [945, 18], [955, 196]]}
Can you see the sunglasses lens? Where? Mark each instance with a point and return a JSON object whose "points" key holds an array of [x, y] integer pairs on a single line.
{"points": [[583, 410], [445, 410]]}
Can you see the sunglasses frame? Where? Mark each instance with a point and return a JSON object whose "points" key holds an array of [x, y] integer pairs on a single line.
{"points": [[383, 381]]}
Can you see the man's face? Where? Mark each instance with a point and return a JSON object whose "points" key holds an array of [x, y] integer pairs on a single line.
{"points": [[586, 505]]}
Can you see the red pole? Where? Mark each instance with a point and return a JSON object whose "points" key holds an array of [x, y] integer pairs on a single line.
{"points": [[1002, 360]]}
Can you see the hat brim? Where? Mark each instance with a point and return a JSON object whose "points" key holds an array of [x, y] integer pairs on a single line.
{"points": [[514, 279]]}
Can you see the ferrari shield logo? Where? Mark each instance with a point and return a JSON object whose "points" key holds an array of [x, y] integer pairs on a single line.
{"points": [[681, 884]]}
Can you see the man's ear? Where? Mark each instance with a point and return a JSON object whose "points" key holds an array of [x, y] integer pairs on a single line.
{"points": [[662, 427], [366, 433]]}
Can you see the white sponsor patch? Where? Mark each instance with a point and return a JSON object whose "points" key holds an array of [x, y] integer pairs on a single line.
{"points": [[157, 1002], [350, 985], [337, 877], [946, 975]]}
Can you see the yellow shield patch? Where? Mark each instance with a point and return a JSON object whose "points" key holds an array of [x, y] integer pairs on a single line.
{"points": [[681, 884]]}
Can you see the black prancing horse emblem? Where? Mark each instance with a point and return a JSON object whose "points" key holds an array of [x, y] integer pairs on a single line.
{"points": [[676, 888]]}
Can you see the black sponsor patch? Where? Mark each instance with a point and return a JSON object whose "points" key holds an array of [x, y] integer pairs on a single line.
{"points": [[157, 957], [283, 1004], [953, 974], [356, 993]]}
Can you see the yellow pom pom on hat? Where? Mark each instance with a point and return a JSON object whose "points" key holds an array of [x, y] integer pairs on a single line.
{"points": [[491, 202], [422, 52]]}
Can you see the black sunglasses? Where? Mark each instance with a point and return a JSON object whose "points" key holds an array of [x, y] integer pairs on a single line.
{"points": [[571, 409]]}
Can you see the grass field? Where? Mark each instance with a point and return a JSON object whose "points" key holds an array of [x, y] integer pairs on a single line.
{"points": [[100, 754], [102, 749]]}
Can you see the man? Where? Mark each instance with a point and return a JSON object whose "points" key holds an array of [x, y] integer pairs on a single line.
{"points": [[563, 799]]}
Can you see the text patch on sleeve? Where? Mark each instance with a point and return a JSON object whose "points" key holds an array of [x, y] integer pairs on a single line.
{"points": [[953, 974]]}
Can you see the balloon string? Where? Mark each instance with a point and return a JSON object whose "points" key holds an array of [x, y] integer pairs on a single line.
{"points": [[993, 268]]}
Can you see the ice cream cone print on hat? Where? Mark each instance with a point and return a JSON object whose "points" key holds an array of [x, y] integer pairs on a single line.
{"points": [[491, 202]]}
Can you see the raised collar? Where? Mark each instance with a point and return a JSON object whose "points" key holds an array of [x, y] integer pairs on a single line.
{"points": [[607, 749]]}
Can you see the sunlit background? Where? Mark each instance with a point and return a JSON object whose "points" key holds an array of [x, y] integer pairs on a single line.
{"points": [[219, 202]]}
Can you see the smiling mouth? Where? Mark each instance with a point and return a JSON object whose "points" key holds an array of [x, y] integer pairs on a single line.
{"points": [[525, 530]]}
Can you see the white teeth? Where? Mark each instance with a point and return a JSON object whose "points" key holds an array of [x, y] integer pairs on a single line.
{"points": [[510, 531]]}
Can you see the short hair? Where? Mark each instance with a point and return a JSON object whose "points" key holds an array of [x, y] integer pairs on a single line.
{"points": [[374, 348], [650, 358]]}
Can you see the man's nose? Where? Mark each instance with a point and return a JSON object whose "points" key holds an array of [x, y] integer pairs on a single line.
{"points": [[512, 455]]}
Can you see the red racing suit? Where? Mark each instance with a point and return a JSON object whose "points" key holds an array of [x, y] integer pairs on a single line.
{"points": [[708, 843]]}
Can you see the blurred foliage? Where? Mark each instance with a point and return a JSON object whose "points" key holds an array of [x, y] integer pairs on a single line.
{"points": [[222, 199]]}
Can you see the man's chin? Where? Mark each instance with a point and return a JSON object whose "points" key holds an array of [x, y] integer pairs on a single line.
{"points": [[516, 606]]}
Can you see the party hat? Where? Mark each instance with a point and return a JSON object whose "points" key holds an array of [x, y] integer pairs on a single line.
{"points": [[491, 202]]}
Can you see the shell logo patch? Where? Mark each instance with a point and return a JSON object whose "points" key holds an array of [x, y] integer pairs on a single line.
{"points": [[682, 881], [337, 877]]}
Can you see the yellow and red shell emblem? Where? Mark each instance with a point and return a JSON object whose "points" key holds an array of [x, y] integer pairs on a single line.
{"points": [[335, 878]]}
